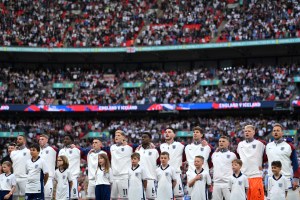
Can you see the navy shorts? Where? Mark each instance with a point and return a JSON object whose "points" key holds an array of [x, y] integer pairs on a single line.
{"points": [[3, 193], [34, 196], [102, 192]]}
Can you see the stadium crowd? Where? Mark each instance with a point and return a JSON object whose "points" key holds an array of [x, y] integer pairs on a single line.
{"points": [[63, 23], [94, 86]]}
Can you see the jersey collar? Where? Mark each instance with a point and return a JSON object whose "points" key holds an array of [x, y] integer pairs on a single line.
{"points": [[249, 140], [36, 159], [279, 141], [45, 146], [199, 172], [21, 147], [240, 174], [133, 169], [223, 150], [98, 151], [161, 167], [278, 178], [197, 142]]}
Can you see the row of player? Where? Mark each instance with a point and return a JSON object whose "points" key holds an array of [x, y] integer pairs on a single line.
{"points": [[253, 154]]}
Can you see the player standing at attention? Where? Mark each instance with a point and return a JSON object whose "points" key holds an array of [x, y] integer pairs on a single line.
{"points": [[7, 182], [198, 180], [11, 147], [175, 150], [38, 174], [120, 164], [63, 179], [280, 150], [238, 183], [103, 178], [251, 152], [222, 160], [166, 178], [137, 179], [92, 160], [148, 159], [48, 154], [73, 155], [19, 157]]}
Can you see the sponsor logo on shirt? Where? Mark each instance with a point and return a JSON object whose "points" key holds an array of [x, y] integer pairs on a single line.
{"points": [[254, 146]]}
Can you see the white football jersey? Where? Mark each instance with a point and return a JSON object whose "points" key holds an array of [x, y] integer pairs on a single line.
{"points": [[63, 178], [198, 190], [238, 186], [92, 160], [35, 179], [148, 160], [120, 160], [176, 152], [136, 176], [222, 162], [7, 182], [102, 178], [73, 156], [165, 176], [19, 159], [49, 155], [277, 188], [251, 153], [193, 150]]}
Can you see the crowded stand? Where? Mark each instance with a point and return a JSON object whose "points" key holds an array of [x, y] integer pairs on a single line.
{"points": [[262, 20], [94, 86], [144, 23]]}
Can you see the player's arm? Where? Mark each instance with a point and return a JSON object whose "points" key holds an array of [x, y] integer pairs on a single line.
{"points": [[192, 181], [46, 176], [145, 184], [13, 188], [70, 186], [173, 183], [296, 168]]}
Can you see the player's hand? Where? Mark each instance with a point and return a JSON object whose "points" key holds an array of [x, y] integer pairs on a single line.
{"points": [[198, 177], [260, 168], [210, 189], [204, 143], [7, 196], [295, 185]]}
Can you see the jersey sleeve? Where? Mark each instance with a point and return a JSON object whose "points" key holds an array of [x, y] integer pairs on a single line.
{"points": [[144, 174], [286, 184], [69, 176], [208, 181], [295, 164], [246, 182], [110, 175], [44, 167], [13, 180], [173, 174], [55, 175]]}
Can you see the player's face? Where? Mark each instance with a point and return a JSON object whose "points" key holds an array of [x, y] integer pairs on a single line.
{"points": [[67, 141], [198, 162], [119, 138], [145, 139], [197, 135], [277, 132], [235, 167], [34, 153], [43, 141], [59, 162], [10, 149], [134, 161], [97, 144], [101, 160], [169, 134], [5, 168], [249, 133], [20, 141], [164, 159], [276, 170], [223, 143]]}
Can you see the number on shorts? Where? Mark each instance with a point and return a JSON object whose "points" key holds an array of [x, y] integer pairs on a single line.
{"points": [[125, 192]]}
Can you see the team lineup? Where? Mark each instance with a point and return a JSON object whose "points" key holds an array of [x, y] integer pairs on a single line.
{"points": [[149, 172]]}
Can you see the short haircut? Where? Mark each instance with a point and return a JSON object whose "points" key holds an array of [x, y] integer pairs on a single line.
{"points": [[238, 161], [147, 133], [7, 163], [97, 139], [278, 125], [121, 132], [224, 137], [12, 144], [23, 136], [170, 129], [198, 128], [65, 161], [44, 135], [35, 146], [164, 153], [70, 136], [200, 157], [250, 126], [276, 164], [135, 155]]}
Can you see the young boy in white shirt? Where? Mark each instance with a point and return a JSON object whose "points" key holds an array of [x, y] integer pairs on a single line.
{"points": [[198, 180], [238, 183], [166, 177], [277, 184]]}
